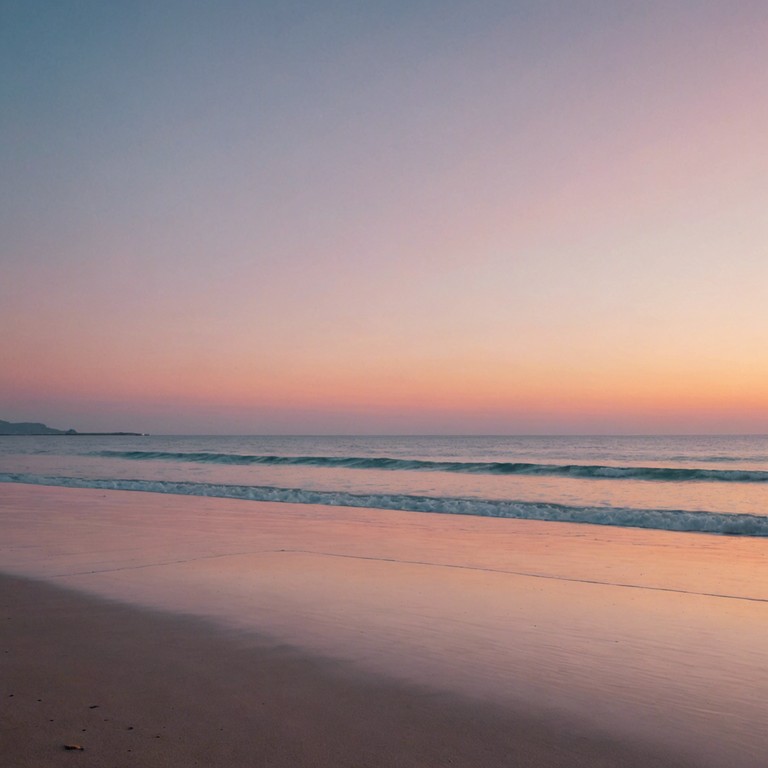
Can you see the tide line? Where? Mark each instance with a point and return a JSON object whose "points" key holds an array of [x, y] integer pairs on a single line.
{"points": [[426, 563]]}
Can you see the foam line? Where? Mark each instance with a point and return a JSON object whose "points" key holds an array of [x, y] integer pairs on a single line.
{"points": [[661, 519]]}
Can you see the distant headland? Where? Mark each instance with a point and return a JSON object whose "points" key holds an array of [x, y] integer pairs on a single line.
{"points": [[9, 428]]}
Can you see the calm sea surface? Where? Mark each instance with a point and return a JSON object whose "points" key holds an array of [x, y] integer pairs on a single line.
{"points": [[715, 484]]}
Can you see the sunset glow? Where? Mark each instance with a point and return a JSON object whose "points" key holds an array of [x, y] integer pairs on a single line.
{"points": [[414, 218]]}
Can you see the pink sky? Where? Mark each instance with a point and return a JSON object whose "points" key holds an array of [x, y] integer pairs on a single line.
{"points": [[476, 218]]}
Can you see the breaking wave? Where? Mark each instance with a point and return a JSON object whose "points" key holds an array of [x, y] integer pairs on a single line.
{"points": [[668, 474], [662, 519]]}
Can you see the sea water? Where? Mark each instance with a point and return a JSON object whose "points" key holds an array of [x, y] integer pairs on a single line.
{"points": [[710, 484]]}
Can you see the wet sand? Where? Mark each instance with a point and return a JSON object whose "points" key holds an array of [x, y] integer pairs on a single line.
{"points": [[137, 687], [204, 632]]}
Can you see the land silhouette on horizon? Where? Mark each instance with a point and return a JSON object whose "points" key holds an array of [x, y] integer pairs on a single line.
{"points": [[9, 428]]}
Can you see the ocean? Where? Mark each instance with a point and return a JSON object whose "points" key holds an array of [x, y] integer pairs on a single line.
{"points": [[707, 484]]}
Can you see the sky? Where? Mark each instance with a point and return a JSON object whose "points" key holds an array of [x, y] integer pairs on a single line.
{"points": [[519, 217]]}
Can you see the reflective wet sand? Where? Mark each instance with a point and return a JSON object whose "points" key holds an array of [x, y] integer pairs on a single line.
{"points": [[650, 637]]}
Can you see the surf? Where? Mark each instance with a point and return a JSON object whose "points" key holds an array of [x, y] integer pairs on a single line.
{"points": [[661, 519]]}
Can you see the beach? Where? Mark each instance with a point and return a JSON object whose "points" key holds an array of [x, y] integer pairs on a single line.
{"points": [[165, 630], [142, 688]]}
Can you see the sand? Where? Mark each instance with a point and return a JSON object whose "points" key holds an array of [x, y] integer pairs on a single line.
{"points": [[144, 688], [217, 632]]}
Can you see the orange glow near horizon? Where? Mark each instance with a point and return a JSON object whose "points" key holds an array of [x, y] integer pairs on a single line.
{"points": [[534, 399]]}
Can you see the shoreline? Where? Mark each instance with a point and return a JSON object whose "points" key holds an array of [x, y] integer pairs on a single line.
{"points": [[737, 524]]}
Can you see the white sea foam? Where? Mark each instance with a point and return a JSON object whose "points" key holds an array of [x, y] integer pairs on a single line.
{"points": [[662, 519]]}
